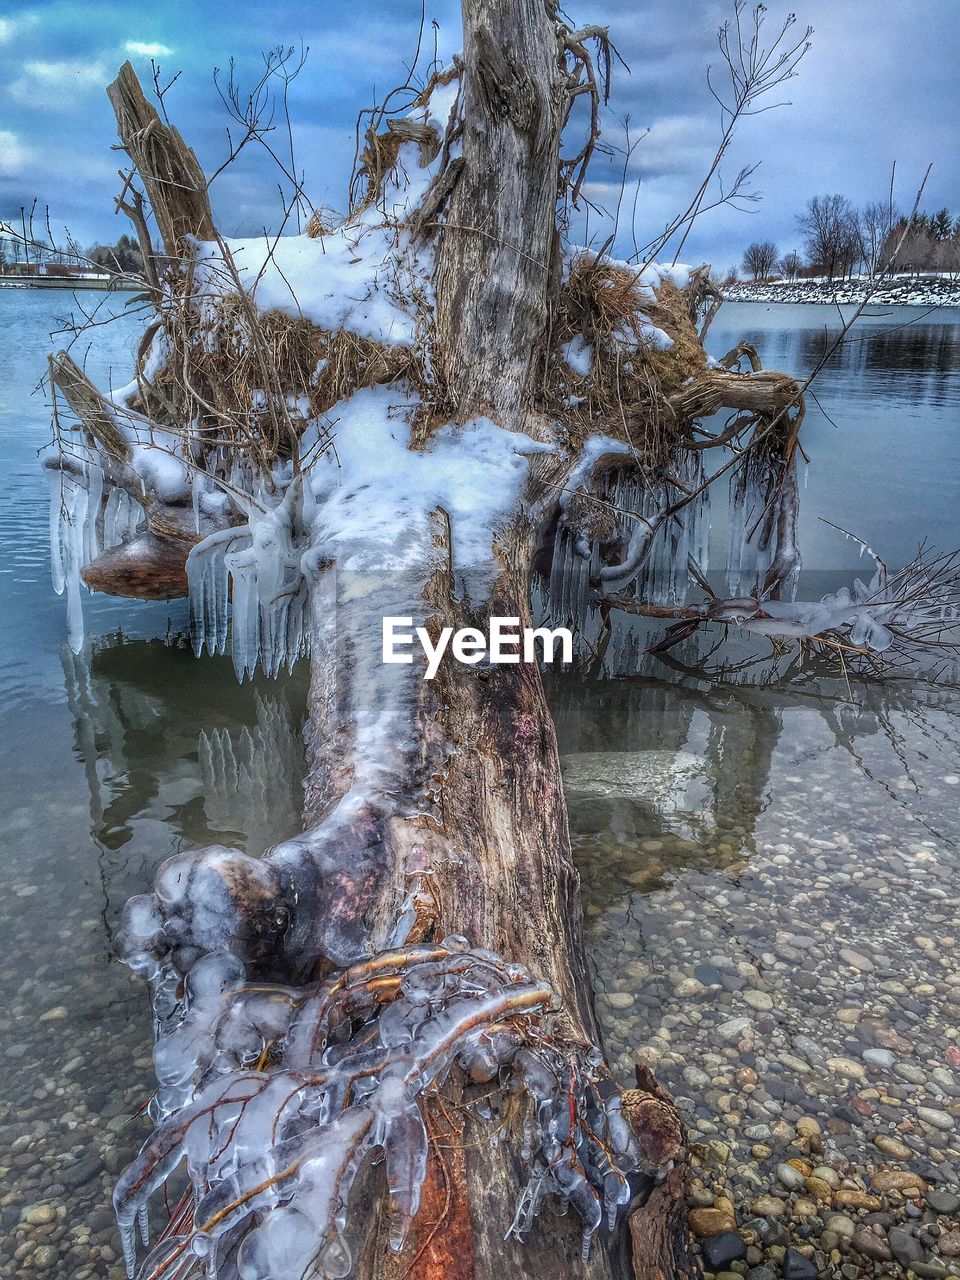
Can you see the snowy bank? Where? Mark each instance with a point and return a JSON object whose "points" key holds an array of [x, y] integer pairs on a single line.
{"points": [[897, 291]]}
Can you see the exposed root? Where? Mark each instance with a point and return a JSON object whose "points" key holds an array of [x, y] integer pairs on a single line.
{"points": [[280, 1098]]}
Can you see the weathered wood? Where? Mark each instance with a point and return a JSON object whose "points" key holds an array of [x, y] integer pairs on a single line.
{"points": [[494, 848], [146, 568], [89, 405], [465, 792], [497, 245], [170, 172], [766, 392]]}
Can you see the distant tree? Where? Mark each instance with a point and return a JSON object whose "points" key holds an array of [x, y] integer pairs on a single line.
{"points": [[760, 258], [830, 234], [874, 223], [913, 242], [3, 253], [941, 224], [123, 256], [790, 264]]}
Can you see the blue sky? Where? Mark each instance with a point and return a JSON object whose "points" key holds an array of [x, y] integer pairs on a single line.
{"points": [[879, 85]]}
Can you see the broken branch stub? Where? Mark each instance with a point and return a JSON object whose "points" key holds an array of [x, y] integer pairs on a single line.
{"points": [[170, 172]]}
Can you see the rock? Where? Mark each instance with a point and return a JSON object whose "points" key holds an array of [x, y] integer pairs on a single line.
{"points": [[850, 1198], [39, 1215], [768, 1207], [929, 1270], [896, 1180], [808, 1049], [808, 1127], [620, 1000], [936, 1119], [949, 1243], [45, 1257], [840, 1225], [907, 1071], [797, 1267], [757, 1132], [758, 1000], [720, 1250], [820, 1190], [872, 1246], [791, 1178], [54, 1015], [943, 1202], [880, 1058], [893, 1147], [906, 1248], [827, 1175], [687, 988], [709, 1222], [846, 1067], [732, 1030], [708, 974], [856, 960]]}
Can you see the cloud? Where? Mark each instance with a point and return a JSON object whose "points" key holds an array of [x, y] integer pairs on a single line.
{"points": [[147, 49], [55, 84], [15, 156]]}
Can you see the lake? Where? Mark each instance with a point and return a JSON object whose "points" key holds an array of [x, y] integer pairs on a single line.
{"points": [[769, 867]]}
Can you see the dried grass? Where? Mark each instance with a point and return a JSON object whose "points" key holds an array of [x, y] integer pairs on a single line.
{"points": [[626, 392]]}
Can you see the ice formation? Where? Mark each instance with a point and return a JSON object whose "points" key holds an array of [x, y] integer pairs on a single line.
{"points": [[763, 517], [280, 1099], [654, 547], [85, 519]]}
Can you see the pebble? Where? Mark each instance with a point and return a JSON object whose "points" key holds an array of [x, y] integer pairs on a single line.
{"points": [[733, 1028], [759, 1000], [881, 1058], [722, 1249], [791, 1178], [943, 1202], [938, 1119], [40, 1215], [893, 1147], [710, 1222], [769, 1207]]}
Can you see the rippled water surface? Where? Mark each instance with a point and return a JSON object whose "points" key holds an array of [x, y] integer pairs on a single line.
{"points": [[731, 839]]}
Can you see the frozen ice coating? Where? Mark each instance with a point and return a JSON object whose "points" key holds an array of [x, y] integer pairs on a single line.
{"points": [[281, 1099]]}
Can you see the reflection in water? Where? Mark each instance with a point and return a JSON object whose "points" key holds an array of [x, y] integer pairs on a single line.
{"points": [[164, 738], [813, 876], [890, 734]]}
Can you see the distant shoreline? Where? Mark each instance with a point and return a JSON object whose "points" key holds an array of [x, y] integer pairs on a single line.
{"points": [[105, 284], [898, 291]]}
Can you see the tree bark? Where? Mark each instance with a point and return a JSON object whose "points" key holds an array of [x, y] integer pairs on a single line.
{"points": [[462, 801]]}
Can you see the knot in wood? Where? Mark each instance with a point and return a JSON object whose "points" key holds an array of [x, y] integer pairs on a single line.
{"points": [[656, 1126]]}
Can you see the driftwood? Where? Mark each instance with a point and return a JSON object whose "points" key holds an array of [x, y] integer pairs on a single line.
{"points": [[458, 826]]}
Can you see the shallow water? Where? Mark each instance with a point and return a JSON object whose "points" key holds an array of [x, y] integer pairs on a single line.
{"points": [[767, 814]]}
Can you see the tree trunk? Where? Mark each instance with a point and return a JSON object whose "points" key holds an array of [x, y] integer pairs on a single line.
{"points": [[452, 819]]}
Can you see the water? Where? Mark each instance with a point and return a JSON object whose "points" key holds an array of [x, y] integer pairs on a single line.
{"points": [[111, 761], [754, 798]]}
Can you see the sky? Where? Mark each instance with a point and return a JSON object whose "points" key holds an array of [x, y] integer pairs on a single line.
{"points": [[877, 86]]}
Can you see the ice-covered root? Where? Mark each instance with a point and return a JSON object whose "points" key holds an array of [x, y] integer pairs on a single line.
{"points": [[287, 915], [280, 1099]]}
